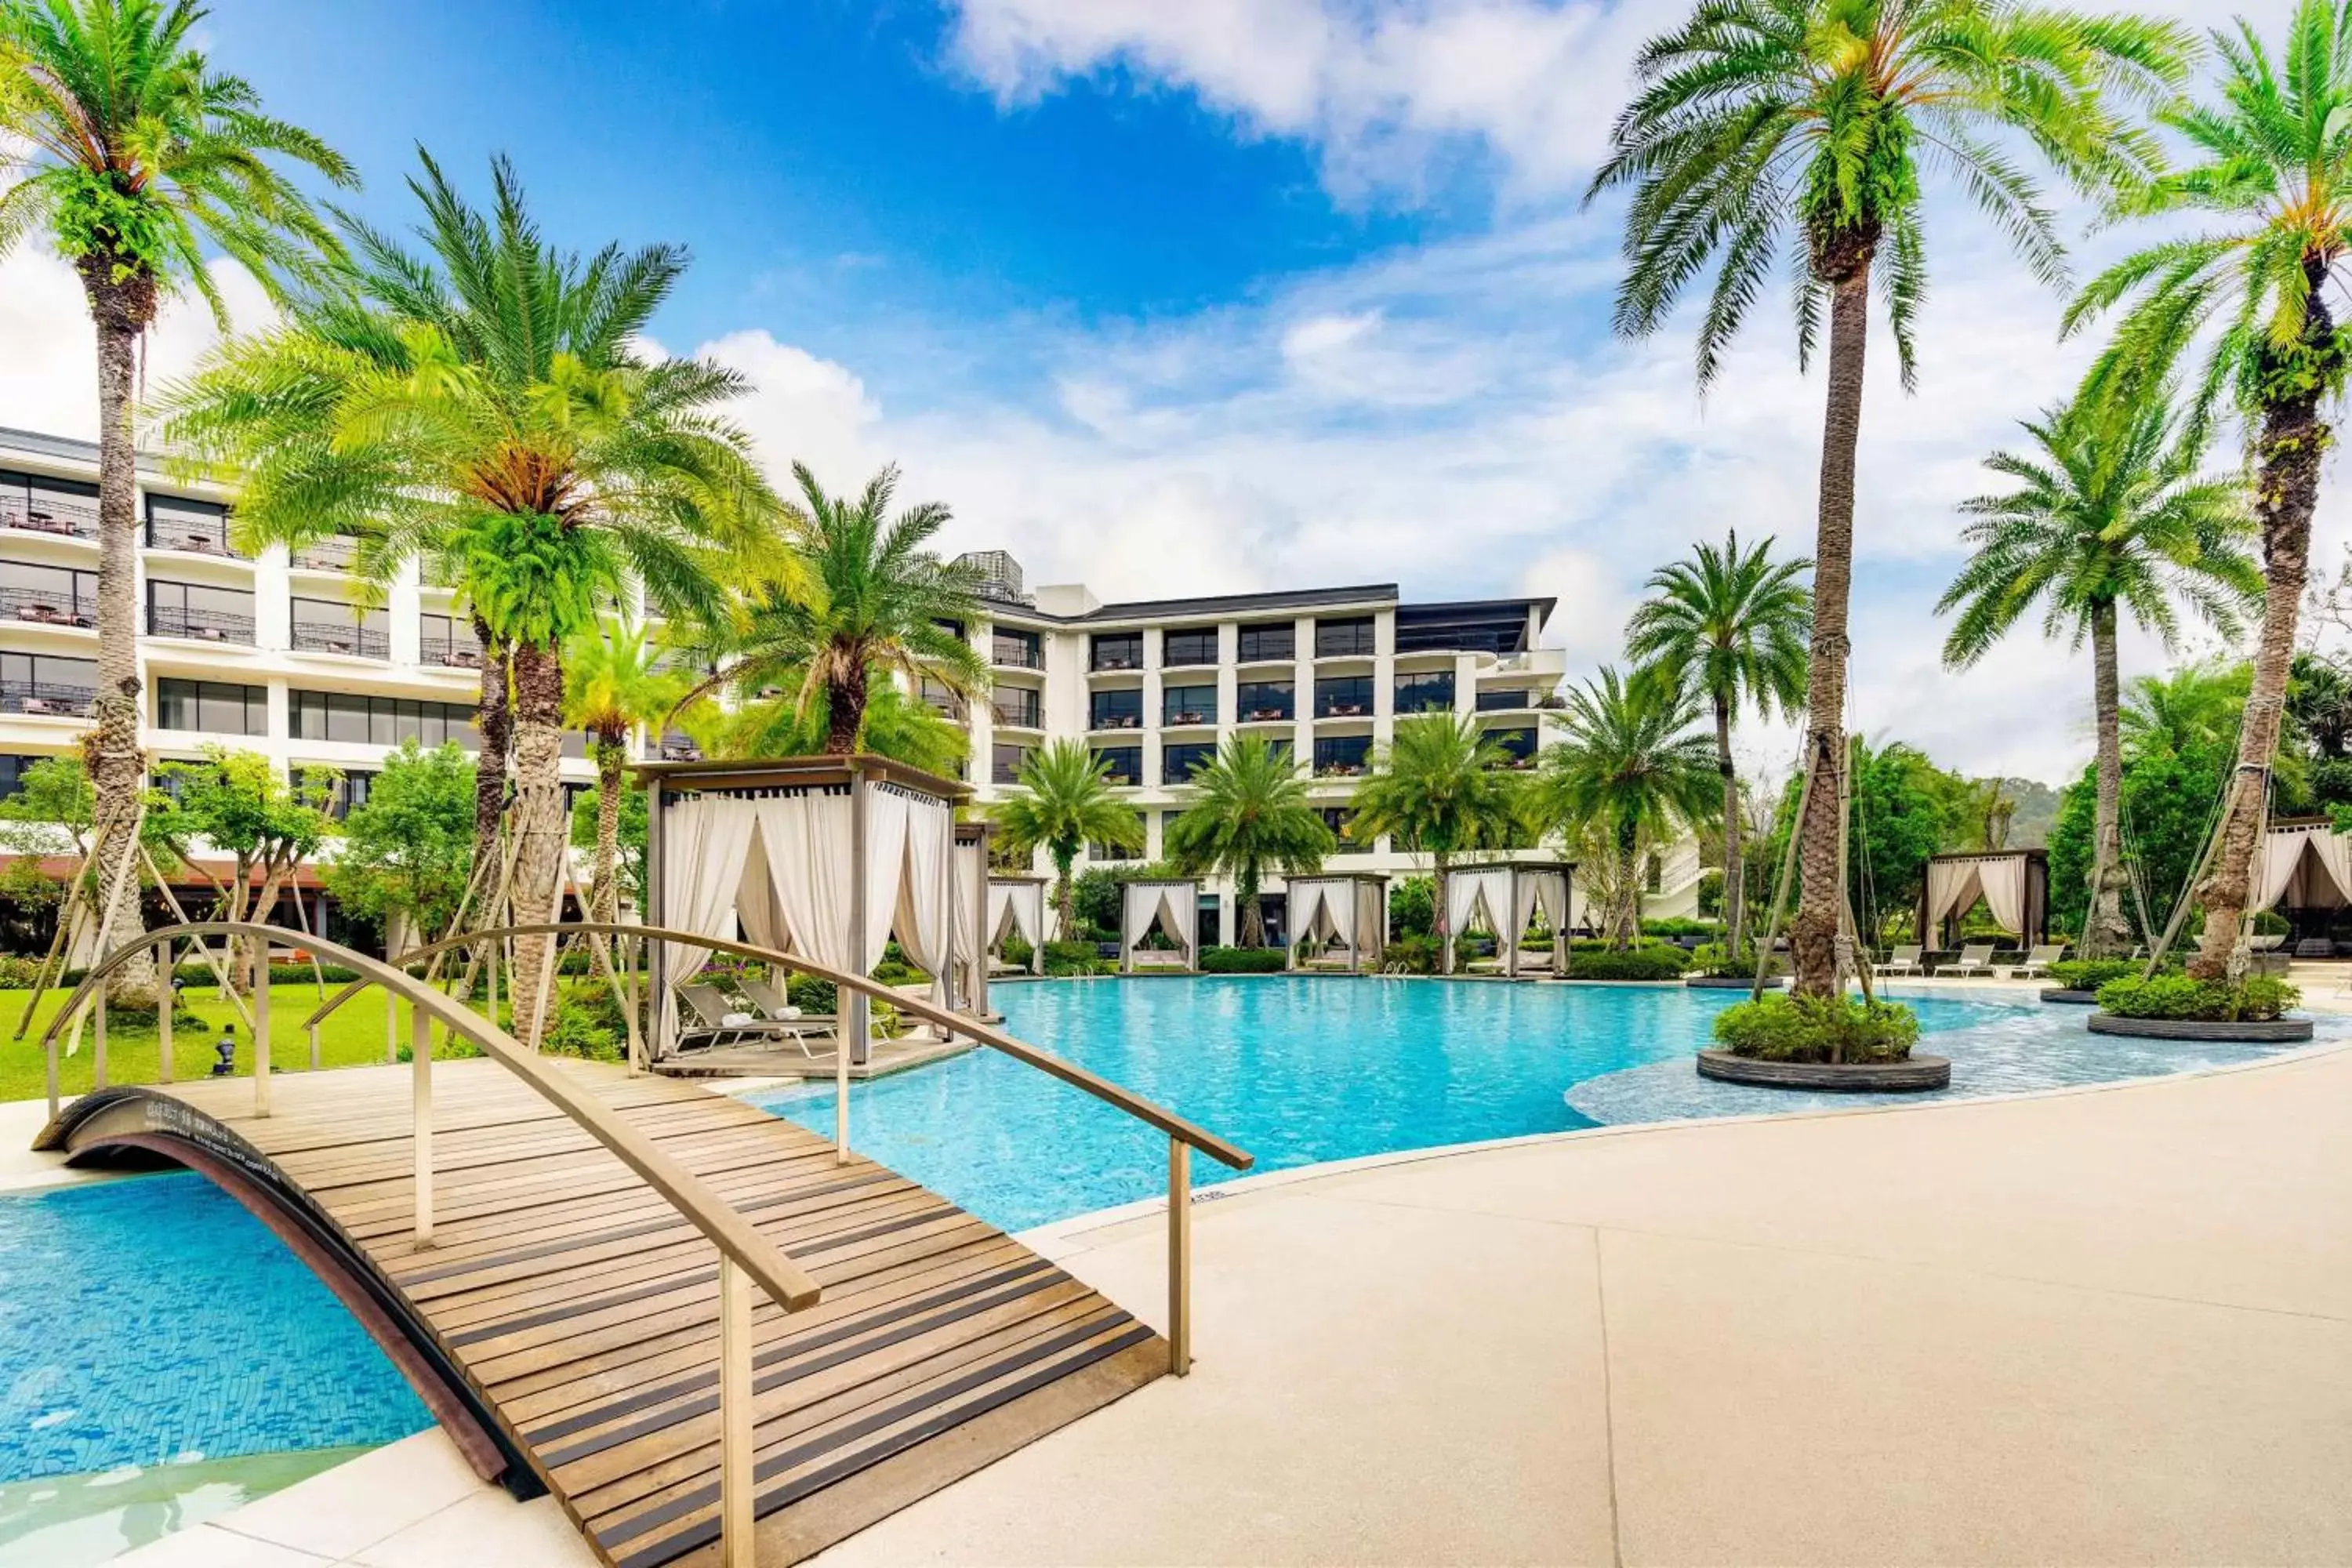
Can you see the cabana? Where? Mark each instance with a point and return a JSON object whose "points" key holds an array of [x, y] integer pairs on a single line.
{"points": [[2307, 868], [971, 968], [2013, 883], [1506, 895], [826, 857], [1349, 907], [1017, 906], [1172, 905]]}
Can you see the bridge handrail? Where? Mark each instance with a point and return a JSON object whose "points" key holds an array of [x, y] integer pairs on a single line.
{"points": [[1045, 1061], [768, 1266]]}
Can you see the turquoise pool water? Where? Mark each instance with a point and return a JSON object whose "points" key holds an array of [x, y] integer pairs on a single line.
{"points": [[1301, 1070], [151, 1321]]}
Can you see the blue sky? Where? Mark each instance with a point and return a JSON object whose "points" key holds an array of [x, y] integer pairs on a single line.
{"points": [[1198, 296]]}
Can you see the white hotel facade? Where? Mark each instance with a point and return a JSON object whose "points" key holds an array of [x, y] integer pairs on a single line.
{"points": [[271, 654]]}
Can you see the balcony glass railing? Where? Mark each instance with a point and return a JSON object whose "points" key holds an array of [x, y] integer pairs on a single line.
{"points": [[1504, 701], [51, 514], [44, 607], [457, 653], [205, 625], [1129, 719], [41, 697], [1016, 656], [361, 642]]}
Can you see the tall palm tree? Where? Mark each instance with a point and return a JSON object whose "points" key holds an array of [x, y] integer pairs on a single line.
{"points": [[1246, 811], [1630, 763], [876, 600], [1732, 623], [1440, 788], [2111, 514], [489, 407], [614, 682], [897, 726], [2272, 188], [123, 148], [1065, 800], [1770, 133]]}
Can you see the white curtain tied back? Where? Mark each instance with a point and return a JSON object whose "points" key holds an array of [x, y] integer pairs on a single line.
{"points": [[2313, 864], [2000, 879]]}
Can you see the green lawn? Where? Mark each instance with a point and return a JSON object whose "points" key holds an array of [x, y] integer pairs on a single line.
{"points": [[353, 1036]]}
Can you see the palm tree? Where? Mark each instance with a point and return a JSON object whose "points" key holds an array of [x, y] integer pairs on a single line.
{"points": [[1794, 132], [1441, 788], [897, 726], [2272, 190], [2110, 514], [491, 407], [2194, 706], [879, 601], [121, 146], [1630, 764], [1732, 623], [614, 682], [1066, 800], [1248, 811]]}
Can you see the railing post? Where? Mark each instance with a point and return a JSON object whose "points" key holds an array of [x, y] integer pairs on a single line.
{"points": [[420, 1075], [314, 1048], [735, 1479], [165, 993], [391, 1026], [260, 946], [1179, 1257]]}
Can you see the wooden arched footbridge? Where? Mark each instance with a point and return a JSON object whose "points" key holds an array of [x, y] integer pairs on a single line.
{"points": [[713, 1335]]}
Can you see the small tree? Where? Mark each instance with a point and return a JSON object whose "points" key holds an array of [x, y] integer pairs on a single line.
{"points": [[629, 835], [1439, 789], [408, 853], [235, 803], [1248, 810], [1066, 800]]}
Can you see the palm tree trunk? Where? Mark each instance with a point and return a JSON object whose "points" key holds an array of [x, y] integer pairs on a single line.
{"points": [[1628, 920], [495, 722], [538, 820], [121, 311], [845, 710], [2294, 439], [604, 896], [1734, 903], [1253, 921], [1842, 262], [2105, 929], [1064, 899]]}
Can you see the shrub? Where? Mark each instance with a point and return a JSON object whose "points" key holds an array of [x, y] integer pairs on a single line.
{"points": [[1064, 958], [1785, 1028], [17, 973], [1241, 960], [1412, 906], [1634, 963], [2257, 998], [1017, 952], [2090, 973], [1415, 954], [583, 1028], [1671, 929], [810, 994]]}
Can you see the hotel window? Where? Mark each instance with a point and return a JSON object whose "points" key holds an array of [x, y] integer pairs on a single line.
{"points": [[1519, 745], [1121, 764], [38, 683], [196, 610], [1188, 705], [1264, 702], [175, 523], [1279, 640], [12, 773], [1117, 710], [1349, 697], [1431, 693], [346, 792], [1014, 649], [47, 596], [38, 505], [447, 640], [1116, 650], [1178, 648], [1110, 852], [1343, 639], [1343, 755], [1341, 820], [1004, 764], [211, 708], [1177, 762], [363, 721], [1017, 705], [336, 625]]}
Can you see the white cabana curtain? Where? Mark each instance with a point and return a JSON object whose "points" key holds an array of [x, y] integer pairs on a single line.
{"points": [[1473, 895], [1954, 884], [1947, 879], [1548, 891], [804, 843], [924, 907], [1018, 907], [2004, 882], [1308, 900], [2313, 864], [1145, 904], [970, 863], [709, 838], [1372, 900]]}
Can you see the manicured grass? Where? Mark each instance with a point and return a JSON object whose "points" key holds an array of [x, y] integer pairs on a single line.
{"points": [[353, 1036]]}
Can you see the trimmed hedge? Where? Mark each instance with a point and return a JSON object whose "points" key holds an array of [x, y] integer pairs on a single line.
{"points": [[1241, 960], [2257, 999], [1783, 1028], [1634, 963]]}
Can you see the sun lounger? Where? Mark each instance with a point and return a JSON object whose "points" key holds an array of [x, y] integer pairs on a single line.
{"points": [[712, 1012], [790, 1023], [2038, 962], [1973, 961], [1901, 961]]}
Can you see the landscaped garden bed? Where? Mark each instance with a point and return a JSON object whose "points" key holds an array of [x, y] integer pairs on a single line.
{"points": [[1839, 1043], [2182, 1008]]}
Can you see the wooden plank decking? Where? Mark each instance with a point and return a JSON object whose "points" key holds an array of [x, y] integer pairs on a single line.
{"points": [[583, 1311]]}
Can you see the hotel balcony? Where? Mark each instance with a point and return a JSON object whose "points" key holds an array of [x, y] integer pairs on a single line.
{"points": [[334, 554], [455, 653], [1012, 653], [343, 637], [195, 535], [41, 607], [203, 626], [1018, 716], [52, 515], [41, 700]]}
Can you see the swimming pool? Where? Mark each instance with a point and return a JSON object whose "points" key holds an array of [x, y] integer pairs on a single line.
{"points": [[1303, 1069]]}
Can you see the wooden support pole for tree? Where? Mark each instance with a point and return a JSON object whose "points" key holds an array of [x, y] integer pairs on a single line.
{"points": [[1788, 876]]}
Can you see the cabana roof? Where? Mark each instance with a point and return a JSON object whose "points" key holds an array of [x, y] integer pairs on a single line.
{"points": [[1338, 877], [801, 772]]}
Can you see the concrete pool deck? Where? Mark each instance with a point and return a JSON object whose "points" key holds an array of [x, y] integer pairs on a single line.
{"points": [[2102, 1325]]}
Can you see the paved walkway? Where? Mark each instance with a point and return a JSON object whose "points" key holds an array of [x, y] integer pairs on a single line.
{"points": [[2106, 1326]]}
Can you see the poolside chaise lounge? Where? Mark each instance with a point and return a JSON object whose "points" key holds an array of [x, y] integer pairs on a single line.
{"points": [[1973, 961], [712, 1010], [1900, 961], [2037, 962], [790, 1023]]}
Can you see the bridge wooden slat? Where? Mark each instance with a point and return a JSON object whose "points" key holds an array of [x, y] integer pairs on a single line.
{"points": [[583, 1310]]}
